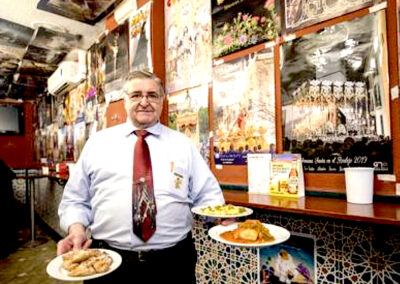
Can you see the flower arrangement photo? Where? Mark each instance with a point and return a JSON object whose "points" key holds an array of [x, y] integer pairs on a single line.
{"points": [[245, 28]]}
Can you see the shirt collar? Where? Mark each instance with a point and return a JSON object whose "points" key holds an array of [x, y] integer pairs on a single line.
{"points": [[154, 130]]}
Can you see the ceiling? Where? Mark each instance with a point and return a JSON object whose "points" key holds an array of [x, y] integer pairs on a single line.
{"points": [[33, 41]]}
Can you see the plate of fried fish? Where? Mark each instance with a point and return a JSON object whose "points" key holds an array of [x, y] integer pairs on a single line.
{"points": [[250, 233], [84, 264]]}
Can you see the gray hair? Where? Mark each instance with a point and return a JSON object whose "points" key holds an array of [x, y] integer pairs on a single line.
{"points": [[143, 74]]}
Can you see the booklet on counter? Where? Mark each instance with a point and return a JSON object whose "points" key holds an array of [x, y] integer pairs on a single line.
{"points": [[278, 174]]}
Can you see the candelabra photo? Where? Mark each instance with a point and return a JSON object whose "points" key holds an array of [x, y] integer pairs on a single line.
{"points": [[335, 99]]}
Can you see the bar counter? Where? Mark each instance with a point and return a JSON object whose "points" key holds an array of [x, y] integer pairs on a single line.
{"points": [[351, 243], [377, 212]]}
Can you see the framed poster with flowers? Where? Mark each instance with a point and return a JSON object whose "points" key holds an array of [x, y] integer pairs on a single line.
{"points": [[187, 44], [244, 107], [299, 14], [240, 24], [188, 113]]}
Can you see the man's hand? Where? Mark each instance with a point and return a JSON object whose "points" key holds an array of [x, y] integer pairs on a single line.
{"points": [[75, 240]]}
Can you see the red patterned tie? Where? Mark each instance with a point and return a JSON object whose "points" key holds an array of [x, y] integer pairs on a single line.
{"points": [[144, 205]]}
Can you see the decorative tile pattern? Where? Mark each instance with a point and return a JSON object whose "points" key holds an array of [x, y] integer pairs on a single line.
{"points": [[347, 252]]}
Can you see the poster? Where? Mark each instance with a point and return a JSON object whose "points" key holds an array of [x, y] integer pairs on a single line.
{"points": [[188, 113], [187, 44], [335, 96], [140, 39], [300, 14], [239, 24], [293, 261], [116, 61], [79, 129], [244, 108]]}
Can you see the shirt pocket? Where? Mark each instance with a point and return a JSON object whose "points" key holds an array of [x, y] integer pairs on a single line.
{"points": [[178, 182]]}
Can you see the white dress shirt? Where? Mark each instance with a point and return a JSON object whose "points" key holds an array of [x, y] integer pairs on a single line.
{"points": [[98, 193]]}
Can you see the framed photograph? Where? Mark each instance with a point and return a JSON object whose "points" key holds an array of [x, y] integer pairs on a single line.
{"points": [[300, 14], [187, 44], [116, 61], [294, 261], [51, 39], [14, 35], [44, 55], [188, 114], [87, 11], [140, 57], [244, 107], [335, 111], [238, 25]]}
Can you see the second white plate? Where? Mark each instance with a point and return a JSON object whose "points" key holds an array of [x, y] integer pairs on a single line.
{"points": [[280, 234], [199, 211]]}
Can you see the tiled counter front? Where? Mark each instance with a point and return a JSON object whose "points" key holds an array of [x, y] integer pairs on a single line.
{"points": [[346, 252]]}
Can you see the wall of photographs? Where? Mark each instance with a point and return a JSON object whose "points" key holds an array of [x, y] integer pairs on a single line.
{"points": [[66, 122], [308, 77]]}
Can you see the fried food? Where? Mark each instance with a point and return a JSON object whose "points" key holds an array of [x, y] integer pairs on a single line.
{"points": [[250, 232], [86, 262], [226, 209]]}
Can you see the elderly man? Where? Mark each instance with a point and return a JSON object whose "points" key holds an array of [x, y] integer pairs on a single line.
{"points": [[133, 186]]}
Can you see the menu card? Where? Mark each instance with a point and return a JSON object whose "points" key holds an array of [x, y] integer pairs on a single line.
{"points": [[258, 173], [280, 174]]}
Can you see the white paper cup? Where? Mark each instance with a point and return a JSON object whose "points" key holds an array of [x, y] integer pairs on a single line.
{"points": [[359, 185]]}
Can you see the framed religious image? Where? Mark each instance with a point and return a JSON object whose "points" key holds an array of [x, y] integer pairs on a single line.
{"points": [[300, 14], [244, 108], [188, 113], [238, 25], [140, 39], [116, 60], [294, 261], [335, 97], [100, 57], [187, 44]]}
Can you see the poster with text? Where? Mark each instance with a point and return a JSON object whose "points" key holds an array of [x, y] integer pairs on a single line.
{"points": [[188, 113], [293, 261], [187, 44], [244, 107], [335, 97], [140, 39]]}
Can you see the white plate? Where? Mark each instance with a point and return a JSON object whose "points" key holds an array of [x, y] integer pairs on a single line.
{"points": [[55, 269], [198, 210], [280, 234]]}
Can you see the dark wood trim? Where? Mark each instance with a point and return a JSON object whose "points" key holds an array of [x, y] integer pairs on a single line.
{"points": [[378, 212], [393, 61]]}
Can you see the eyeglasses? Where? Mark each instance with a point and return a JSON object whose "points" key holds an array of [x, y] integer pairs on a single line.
{"points": [[151, 97]]}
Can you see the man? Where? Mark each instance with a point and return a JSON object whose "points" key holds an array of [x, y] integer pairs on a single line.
{"points": [[104, 194]]}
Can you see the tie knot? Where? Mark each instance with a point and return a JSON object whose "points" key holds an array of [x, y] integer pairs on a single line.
{"points": [[141, 133]]}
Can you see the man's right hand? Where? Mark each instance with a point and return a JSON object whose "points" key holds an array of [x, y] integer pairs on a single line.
{"points": [[75, 240]]}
